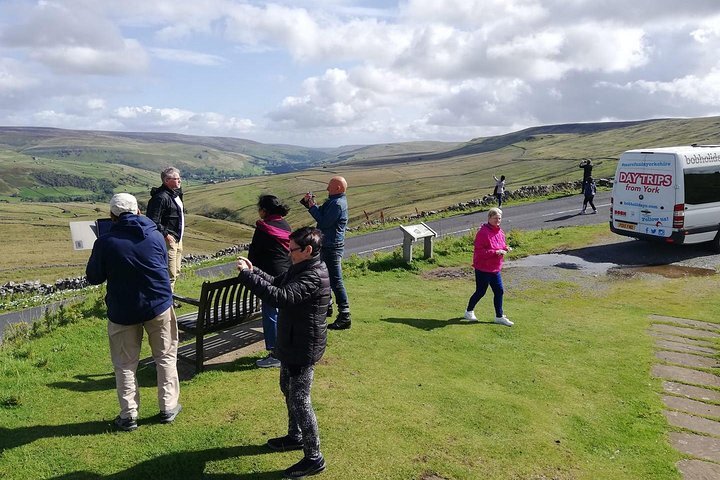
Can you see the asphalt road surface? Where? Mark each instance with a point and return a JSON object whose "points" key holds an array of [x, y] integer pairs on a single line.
{"points": [[561, 212]]}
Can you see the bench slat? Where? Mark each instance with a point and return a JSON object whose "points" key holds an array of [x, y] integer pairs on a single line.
{"points": [[222, 305]]}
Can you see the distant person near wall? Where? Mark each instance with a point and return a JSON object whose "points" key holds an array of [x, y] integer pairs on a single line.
{"points": [[587, 167], [589, 190], [499, 190], [166, 209]]}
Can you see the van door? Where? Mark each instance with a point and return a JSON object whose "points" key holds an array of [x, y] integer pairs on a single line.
{"points": [[644, 193]]}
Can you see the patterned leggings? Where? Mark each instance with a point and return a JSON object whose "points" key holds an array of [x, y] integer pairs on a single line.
{"points": [[295, 383]]}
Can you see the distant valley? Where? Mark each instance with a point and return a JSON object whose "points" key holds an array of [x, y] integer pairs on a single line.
{"points": [[49, 177]]}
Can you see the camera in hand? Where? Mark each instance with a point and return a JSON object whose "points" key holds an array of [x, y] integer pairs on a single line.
{"points": [[305, 202]]}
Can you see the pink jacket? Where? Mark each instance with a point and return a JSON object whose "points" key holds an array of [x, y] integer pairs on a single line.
{"points": [[488, 240]]}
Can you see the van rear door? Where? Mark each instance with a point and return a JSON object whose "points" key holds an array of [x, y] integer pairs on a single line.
{"points": [[644, 193]]}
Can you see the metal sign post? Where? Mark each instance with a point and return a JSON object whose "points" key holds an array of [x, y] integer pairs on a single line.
{"points": [[411, 233]]}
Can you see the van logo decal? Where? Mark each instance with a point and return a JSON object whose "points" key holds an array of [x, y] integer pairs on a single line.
{"points": [[655, 179]]}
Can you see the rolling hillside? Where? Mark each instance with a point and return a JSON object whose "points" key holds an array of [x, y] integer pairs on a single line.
{"points": [[396, 179], [399, 183]]}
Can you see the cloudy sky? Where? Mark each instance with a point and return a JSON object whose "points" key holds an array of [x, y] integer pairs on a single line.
{"points": [[335, 72]]}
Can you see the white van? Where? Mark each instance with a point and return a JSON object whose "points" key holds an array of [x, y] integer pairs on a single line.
{"points": [[668, 194]]}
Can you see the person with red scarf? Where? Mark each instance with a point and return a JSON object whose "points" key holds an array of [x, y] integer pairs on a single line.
{"points": [[269, 250]]}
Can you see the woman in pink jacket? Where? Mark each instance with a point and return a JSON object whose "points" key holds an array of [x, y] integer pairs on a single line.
{"points": [[488, 256]]}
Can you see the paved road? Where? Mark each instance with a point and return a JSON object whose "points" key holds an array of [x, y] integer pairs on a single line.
{"points": [[561, 212], [535, 216]]}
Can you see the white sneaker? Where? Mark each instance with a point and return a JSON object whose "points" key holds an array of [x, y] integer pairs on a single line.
{"points": [[470, 316], [504, 321]]}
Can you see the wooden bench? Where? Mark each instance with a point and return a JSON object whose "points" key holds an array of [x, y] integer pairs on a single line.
{"points": [[222, 305]]}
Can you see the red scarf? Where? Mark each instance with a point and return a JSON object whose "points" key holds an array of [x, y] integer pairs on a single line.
{"points": [[280, 235]]}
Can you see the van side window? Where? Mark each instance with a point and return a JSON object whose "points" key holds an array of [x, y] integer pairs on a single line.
{"points": [[702, 185]]}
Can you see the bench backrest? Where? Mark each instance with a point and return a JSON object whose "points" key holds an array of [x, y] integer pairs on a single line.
{"points": [[225, 303]]}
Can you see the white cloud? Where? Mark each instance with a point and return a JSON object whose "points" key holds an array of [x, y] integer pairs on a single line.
{"points": [[354, 71], [187, 56], [704, 89], [15, 77], [176, 119], [71, 41]]}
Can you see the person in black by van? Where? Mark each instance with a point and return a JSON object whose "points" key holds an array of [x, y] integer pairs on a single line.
{"points": [[587, 167], [589, 190]]}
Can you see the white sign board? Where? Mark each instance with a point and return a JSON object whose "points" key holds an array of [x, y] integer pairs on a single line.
{"points": [[418, 231], [84, 234]]}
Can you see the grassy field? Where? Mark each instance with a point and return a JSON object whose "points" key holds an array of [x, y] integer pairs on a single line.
{"points": [[37, 246], [409, 392]]}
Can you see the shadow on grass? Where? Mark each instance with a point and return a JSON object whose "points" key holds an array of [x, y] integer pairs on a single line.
{"points": [[146, 377], [429, 324], [186, 465], [11, 438]]}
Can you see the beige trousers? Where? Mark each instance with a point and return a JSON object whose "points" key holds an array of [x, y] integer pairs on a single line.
{"points": [[125, 344], [175, 250]]}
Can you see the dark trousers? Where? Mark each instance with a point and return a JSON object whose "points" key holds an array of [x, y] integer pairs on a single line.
{"points": [[333, 259], [482, 280], [295, 384], [589, 199]]}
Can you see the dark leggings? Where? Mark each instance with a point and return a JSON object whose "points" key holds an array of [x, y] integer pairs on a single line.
{"points": [[295, 383], [482, 280], [590, 201]]}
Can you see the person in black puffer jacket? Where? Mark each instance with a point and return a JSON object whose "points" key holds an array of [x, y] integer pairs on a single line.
{"points": [[268, 251], [302, 295]]}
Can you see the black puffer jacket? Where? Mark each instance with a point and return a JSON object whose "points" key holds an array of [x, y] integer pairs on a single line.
{"points": [[302, 295], [163, 210]]}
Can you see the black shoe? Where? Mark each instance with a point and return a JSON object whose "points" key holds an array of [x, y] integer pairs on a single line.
{"points": [[169, 416], [126, 424], [306, 467], [284, 444], [342, 322]]}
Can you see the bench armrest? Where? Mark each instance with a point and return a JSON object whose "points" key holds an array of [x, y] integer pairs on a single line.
{"points": [[191, 301]]}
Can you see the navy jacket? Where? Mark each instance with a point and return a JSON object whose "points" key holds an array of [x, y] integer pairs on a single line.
{"points": [[132, 257], [332, 218], [302, 295]]}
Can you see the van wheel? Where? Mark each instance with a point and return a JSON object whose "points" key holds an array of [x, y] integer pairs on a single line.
{"points": [[715, 243]]}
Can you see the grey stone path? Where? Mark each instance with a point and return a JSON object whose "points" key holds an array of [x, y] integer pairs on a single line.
{"points": [[689, 363]]}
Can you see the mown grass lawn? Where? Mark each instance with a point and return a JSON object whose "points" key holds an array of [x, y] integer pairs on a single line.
{"points": [[407, 393]]}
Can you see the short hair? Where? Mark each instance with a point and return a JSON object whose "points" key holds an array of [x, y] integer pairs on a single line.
{"points": [[168, 172], [305, 236], [272, 205], [494, 212]]}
